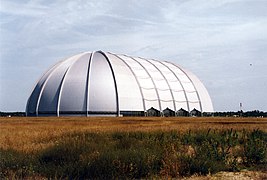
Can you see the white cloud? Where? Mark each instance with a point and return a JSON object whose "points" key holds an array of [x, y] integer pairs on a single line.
{"points": [[204, 36], [22, 9]]}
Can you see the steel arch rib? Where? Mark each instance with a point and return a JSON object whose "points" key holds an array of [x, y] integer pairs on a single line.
{"points": [[187, 102], [88, 82], [63, 82], [50, 69], [42, 88], [160, 108], [174, 106], [141, 92], [200, 105], [60, 89], [115, 83]]}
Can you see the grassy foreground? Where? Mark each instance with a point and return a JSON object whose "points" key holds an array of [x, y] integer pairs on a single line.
{"points": [[108, 148]]}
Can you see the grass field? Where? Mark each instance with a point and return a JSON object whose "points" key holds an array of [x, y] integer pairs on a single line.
{"points": [[23, 133], [165, 147]]}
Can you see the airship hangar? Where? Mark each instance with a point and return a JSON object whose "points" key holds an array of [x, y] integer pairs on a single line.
{"points": [[106, 84]]}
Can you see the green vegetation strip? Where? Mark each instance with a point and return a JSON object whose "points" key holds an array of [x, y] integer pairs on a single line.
{"points": [[134, 155]]}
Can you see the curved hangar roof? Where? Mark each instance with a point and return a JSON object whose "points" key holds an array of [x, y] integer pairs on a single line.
{"points": [[107, 83]]}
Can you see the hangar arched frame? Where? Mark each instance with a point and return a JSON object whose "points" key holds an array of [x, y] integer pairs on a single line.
{"points": [[104, 83]]}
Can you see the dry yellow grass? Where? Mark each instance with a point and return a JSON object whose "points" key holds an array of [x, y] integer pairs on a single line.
{"points": [[28, 134]]}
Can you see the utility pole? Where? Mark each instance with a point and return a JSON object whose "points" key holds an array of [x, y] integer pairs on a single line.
{"points": [[241, 112]]}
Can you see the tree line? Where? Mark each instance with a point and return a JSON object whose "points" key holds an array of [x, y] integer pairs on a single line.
{"points": [[254, 113]]}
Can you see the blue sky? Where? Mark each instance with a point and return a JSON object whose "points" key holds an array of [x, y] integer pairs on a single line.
{"points": [[223, 42]]}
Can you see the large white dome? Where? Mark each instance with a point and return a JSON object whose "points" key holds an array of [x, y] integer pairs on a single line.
{"points": [[102, 83]]}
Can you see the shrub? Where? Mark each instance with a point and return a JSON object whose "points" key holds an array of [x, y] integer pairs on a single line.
{"points": [[137, 155], [16, 165], [101, 156], [254, 148]]}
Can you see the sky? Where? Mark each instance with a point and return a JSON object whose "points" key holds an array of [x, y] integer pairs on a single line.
{"points": [[223, 42]]}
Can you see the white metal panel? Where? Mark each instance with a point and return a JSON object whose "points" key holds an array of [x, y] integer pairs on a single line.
{"points": [[183, 78], [156, 75], [177, 70], [130, 98], [182, 105], [190, 91], [166, 73], [179, 96], [33, 99], [149, 67], [170, 76], [160, 66], [175, 86], [146, 83], [195, 105], [49, 96], [165, 95], [150, 94], [162, 85], [167, 104], [192, 97], [73, 96], [140, 73], [188, 87], [133, 64], [180, 74], [203, 93], [150, 104], [102, 93], [143, 62]]}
